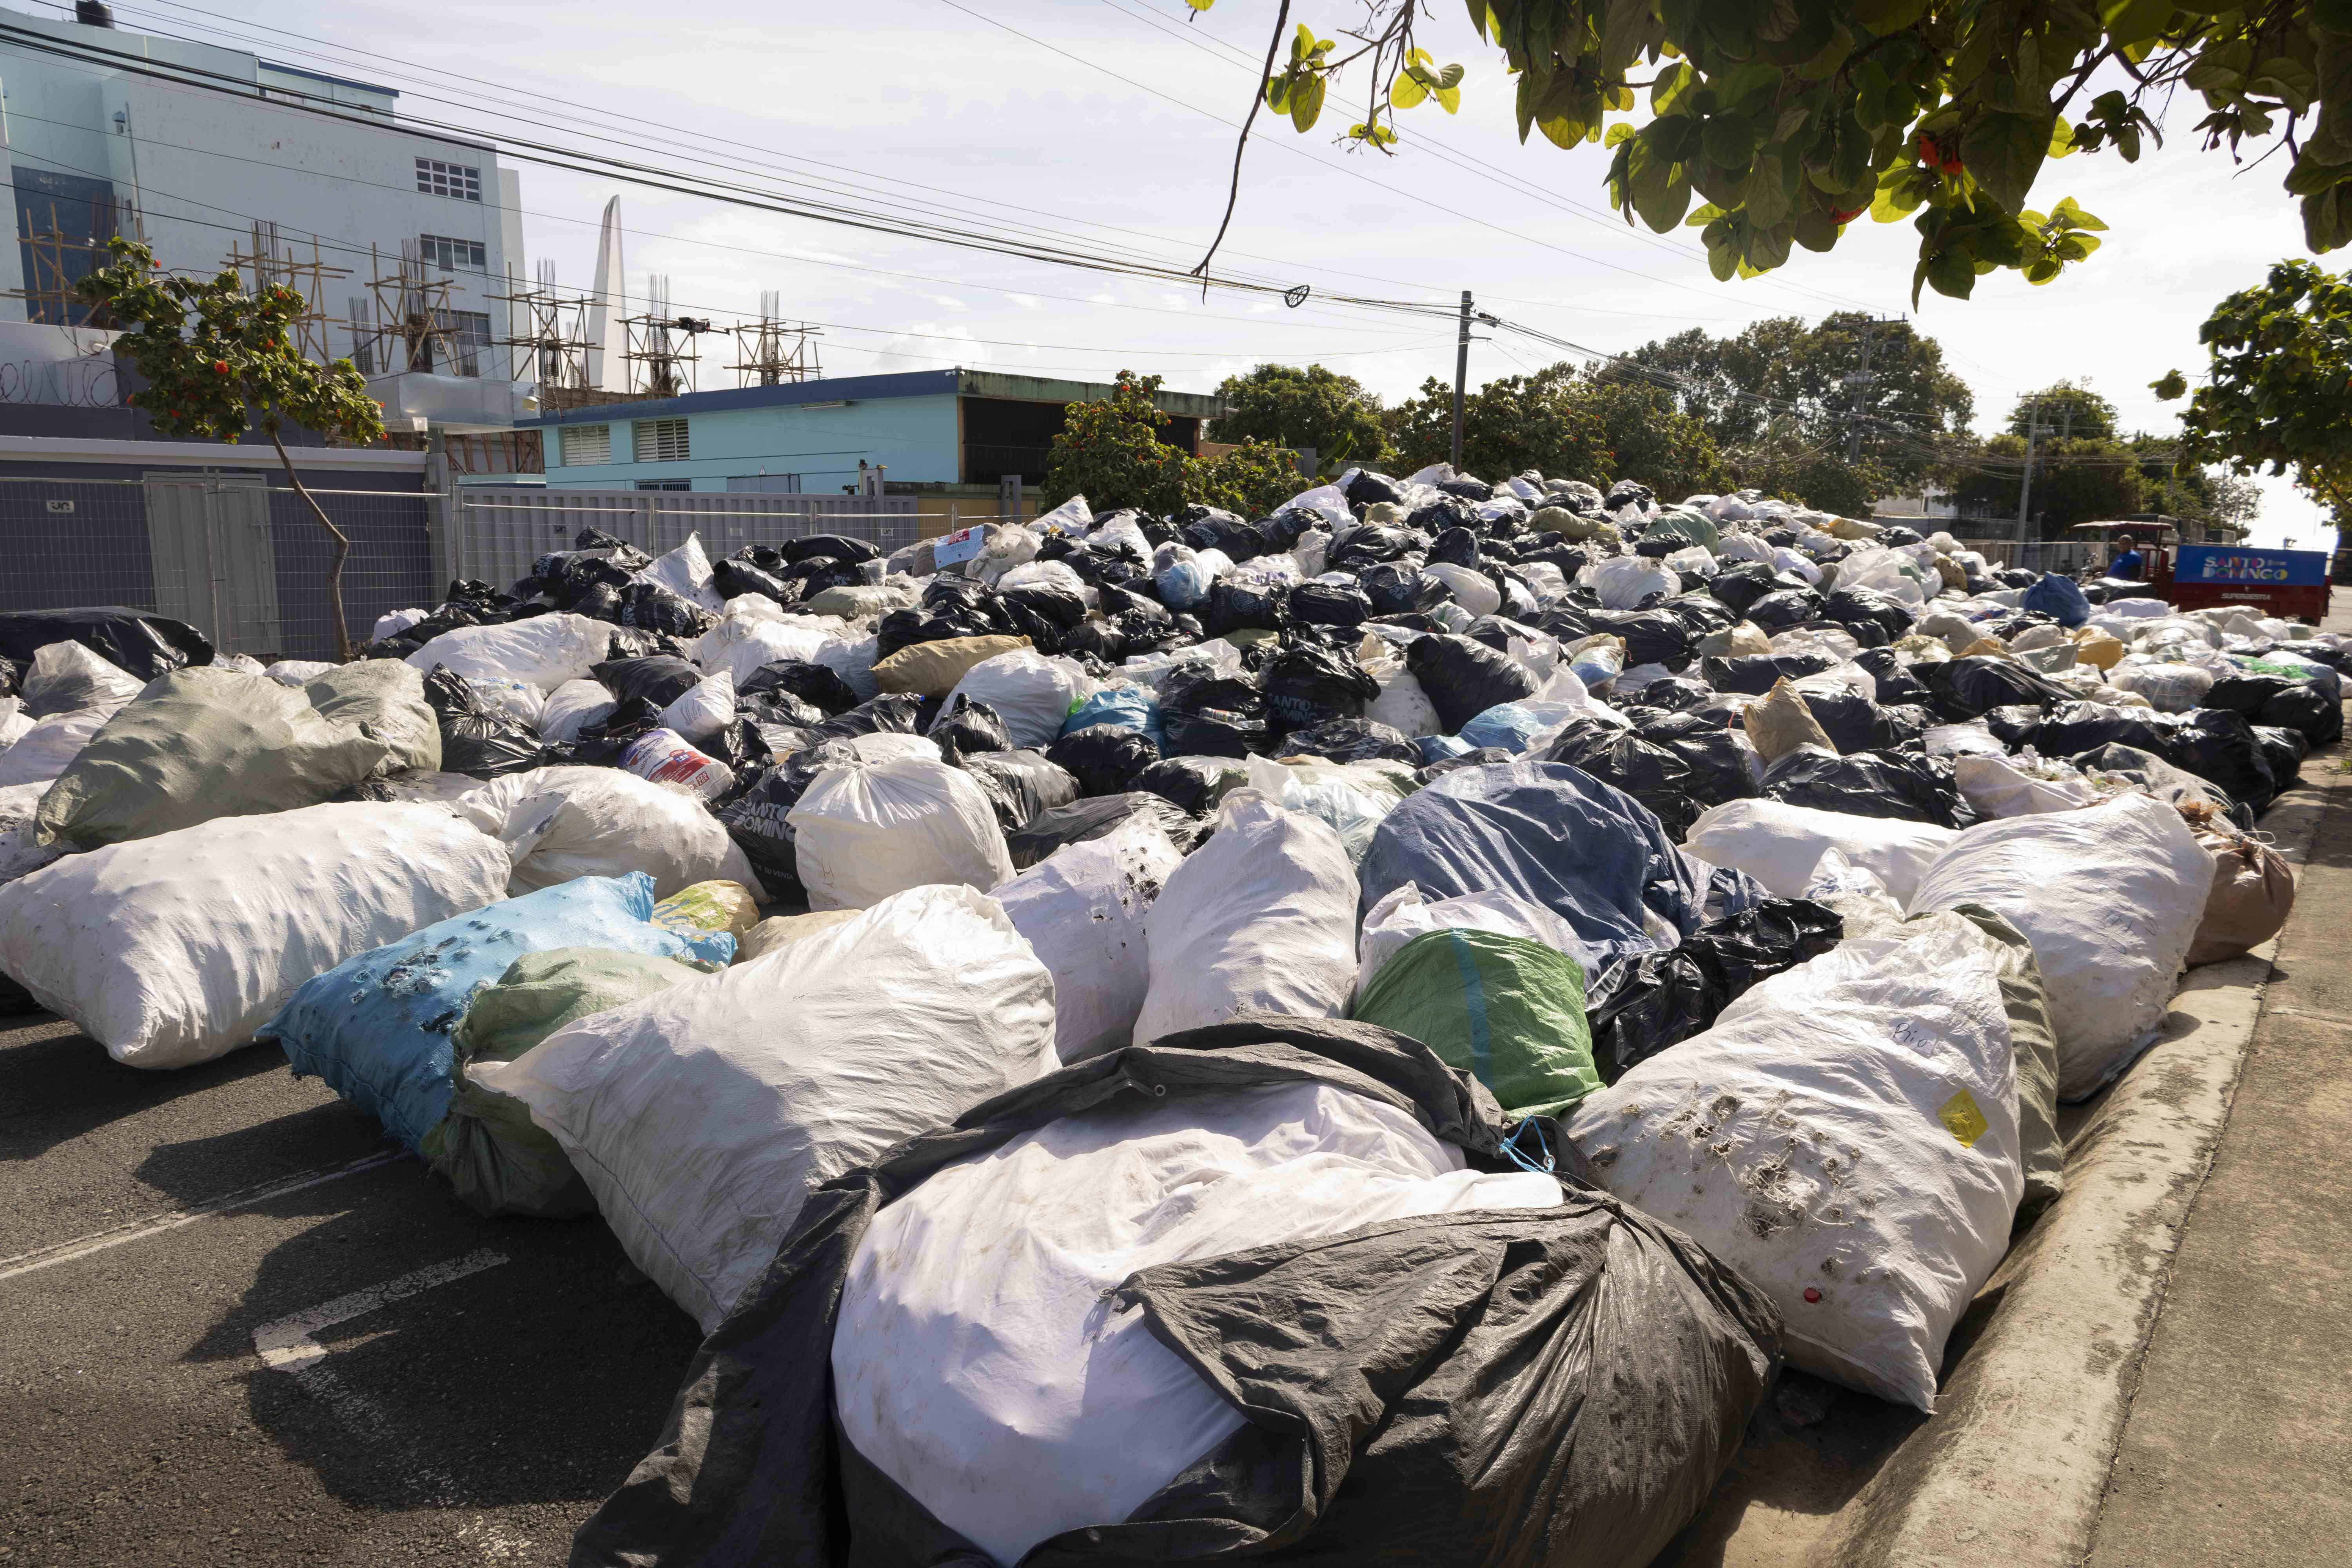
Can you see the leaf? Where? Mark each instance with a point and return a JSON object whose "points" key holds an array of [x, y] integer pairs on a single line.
{"points": [[2135, 21], [2061, 138], [1660, 189], [1671, 87], [1200, 4], [1897, 198], [1952, 273], [1307, 103], [1404, 92], [1277, 93], [2170, 385], [1730, 140], [2073, 216], [1707, 213], [1766, 194], [1303, 45], [1816, 230], [2003, 153], [1621, 131], [1887, 18], [1449, 98], [1450, 77]]}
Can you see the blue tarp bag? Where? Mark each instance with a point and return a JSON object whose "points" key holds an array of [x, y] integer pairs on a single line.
{"points": [[376, 1027], [1552, 833], [2059, 598], [1127, 707]]}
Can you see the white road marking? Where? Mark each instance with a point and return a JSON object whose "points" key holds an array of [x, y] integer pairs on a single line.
{"points": [[98, 1241], [286, 1346]]}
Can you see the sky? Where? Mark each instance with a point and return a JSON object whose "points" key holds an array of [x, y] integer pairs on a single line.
{"points": [[1109, 125]]}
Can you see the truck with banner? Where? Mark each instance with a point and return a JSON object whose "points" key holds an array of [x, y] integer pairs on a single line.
{"points": [[2285, 583]]}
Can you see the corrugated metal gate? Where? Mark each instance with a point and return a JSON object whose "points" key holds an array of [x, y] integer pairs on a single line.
{"points": [[501, 531]]}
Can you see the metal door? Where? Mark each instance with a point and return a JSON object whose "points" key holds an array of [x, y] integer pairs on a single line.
{"points": [[215, 566]]}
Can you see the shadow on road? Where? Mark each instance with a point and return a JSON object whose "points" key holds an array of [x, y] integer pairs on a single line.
{"points": [[56, 1083]]}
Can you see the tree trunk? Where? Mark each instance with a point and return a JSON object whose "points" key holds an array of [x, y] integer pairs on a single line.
{"points": [[342, 552]]}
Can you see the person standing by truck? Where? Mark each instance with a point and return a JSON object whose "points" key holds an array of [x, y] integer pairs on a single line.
{"points": [[2127, 565]]}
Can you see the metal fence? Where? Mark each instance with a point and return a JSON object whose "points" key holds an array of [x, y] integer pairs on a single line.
{"points": [[235, 555], [498, 531]]}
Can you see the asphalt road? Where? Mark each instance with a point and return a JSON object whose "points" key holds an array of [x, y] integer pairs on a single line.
{"points": [[474, 1412]]}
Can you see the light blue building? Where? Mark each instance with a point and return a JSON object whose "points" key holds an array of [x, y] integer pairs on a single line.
{"points": [[942, 431]]}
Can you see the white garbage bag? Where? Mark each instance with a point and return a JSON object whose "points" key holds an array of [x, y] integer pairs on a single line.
{"points": [[545, 650], [703, 711], [700, 1116], [571, 708], [172, 950], [1778, 845], [1474, 591], [65, 678], [686, 572], [42, 752], [2001, 786], [565, 822], [1082, 908], [1624, 580], [1260, 918], [397, 622], [2169, 688], [852, 660], [1031, 692], [974, 1348], [1846, 1136], [1402, 705], [861, 834], [20, 855], [297, 672], [740, 643], [2109, 896]]}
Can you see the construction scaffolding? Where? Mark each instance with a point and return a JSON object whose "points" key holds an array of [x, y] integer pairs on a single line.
{"points": [[661, 356], [547, 334], [771, 352], [56, 261], [406, 326], [273, 261]]}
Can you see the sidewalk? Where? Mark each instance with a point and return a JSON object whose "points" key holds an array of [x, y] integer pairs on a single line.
{"points": [[2238, 1447]]}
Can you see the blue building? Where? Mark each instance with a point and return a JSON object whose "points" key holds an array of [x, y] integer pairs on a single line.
{"points": [[940, 431]]}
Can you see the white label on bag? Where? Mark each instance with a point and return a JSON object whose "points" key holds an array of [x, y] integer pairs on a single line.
{"points": [[961, 545]]}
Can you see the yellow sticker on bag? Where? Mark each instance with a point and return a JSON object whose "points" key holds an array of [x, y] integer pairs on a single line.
{"points": [[1961, 1118]]}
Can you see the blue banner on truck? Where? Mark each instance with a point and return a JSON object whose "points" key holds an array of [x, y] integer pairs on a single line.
{"points": [[2235, 563]]}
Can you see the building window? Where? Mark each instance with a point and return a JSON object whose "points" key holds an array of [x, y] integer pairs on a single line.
{"points": [[467, 337], [662, 441], [587, 444], [449, 254], [665, 484], [436, 178]]}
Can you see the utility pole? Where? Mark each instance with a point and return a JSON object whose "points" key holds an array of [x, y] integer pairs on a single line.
{"points": [[1857, 385], [2025, 482], [1461, 374]]}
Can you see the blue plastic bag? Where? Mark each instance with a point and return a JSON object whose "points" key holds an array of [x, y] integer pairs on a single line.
{"points": [[2058, 598], [1506, 725], [1182, 585], [1127, 707], [1552, 833], [376, 1027]]}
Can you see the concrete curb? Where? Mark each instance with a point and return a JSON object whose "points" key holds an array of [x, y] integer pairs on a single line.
{"points": [[2014, 1465]]}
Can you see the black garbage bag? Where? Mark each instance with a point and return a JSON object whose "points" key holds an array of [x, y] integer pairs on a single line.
{"points": [[1367, 488], [476, 740], [754, 817], [2073, 727], [971, 727], [1783, 608], [1094, 638], [2222, 749], [1463, 677], [1103, 758], [1907, 786], [1654, 636], [1850, 607], [1640, 1006], [1351, 740], [635, 642], [1577, 1373], [140, 642], [1237, 606], [1722, 764], [2017, 726], [1698, 613], [1214, 528], [1194, 785], [894, 712], [835, 546], [1896, 683], [656, 608], [1736, 587], [1401, 589], [659, 679], [818, 684], [732, 579], [601, 745], [1485, 756], [1754, 674], [1658, 778], [2320, 653], [774, 707], [1062, 607], [905, 628], [1205, 714], [1855, 724], [1329, 605], [1677, 694], [565, 575], [1965, 689], [2312, 709], [1092, 816], [2016, 577], [1454, 544], [2285, 750], [2165, 782], [1307, 685], [1019, 784]]}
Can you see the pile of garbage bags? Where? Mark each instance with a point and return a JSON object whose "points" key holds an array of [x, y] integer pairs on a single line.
{"points": [[1579, 912]]}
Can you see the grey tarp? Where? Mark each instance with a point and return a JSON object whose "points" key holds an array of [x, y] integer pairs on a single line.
{"points": [[1527, 1386]]}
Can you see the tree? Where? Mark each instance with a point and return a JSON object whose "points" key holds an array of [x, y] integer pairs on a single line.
{"points": [[2066, 409], [1783, 463], [2091, 479], [2278, 389], [1909, 412], [1787, 121], [1109, 451], [1508, 426], [1651, 438], [217, 361], [1311, 407]]}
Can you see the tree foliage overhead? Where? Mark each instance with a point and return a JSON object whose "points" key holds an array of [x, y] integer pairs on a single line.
{"points": [[218, 360], [1773, 124], [1311, 407], [1110, 451], [1782, 370], [2278, 389], [2066, 409]]}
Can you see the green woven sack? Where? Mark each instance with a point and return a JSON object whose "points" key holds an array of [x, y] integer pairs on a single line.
{"points": [[1507, 1010]]}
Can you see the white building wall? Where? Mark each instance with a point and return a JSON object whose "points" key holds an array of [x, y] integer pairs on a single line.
{"points": [[202, 165]]}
